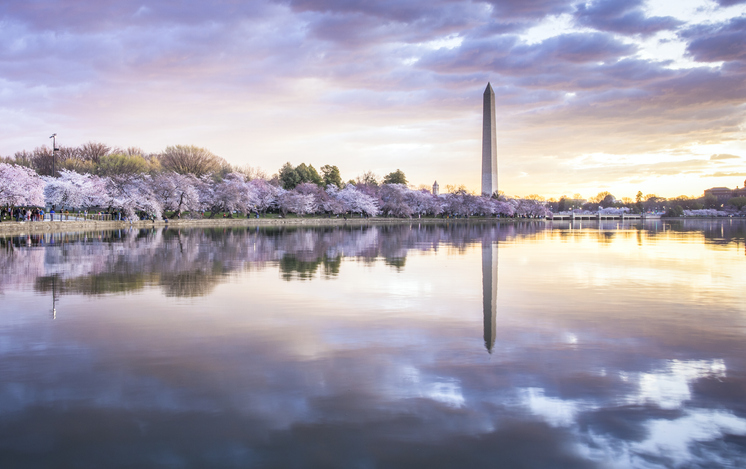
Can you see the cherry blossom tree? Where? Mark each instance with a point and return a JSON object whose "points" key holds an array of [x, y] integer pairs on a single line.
{"points": [[262, 195], [454, 204], [483, 206], [613, 210], [355, 201], [705, 213], [75, 190], [134, 194], [294, 202], [318, 195], [228, 195], [471, 204], [20, 186], [132, 191], [530, 208], [393, 200], [422, 202], [177, 192], [503, 208], [332, 204]]}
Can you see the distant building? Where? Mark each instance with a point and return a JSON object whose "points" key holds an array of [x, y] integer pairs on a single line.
{"points": [[436, 188], [725, 193], [720, 193]]}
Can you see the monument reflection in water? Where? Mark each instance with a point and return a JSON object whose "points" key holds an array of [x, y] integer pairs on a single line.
{"points": [[489, 292], [615, 346]]}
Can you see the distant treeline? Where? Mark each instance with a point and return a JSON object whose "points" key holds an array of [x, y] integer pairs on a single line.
{"points": [[130, 178], [102, 160], [193, 181], [675, 206]]}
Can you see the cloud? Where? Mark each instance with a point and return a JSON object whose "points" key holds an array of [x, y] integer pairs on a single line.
{"points": [[727, 3], [672, 441], [269, 384], [628, 170], [623, 17], [530, 9], [718, 42], [555, 60], [724, 156], [370, 25], [83, 17], [721, 174], [580, 48], [351, 75], [504, 11], [391, 10]]}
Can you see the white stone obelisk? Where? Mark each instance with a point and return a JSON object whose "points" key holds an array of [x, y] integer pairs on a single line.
{"points": [[489, 143]]}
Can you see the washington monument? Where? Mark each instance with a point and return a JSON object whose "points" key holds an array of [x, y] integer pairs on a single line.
{"points": [[489, 144]]}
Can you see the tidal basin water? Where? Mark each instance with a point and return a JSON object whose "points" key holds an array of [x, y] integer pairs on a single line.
{"points": [[533, 345]]}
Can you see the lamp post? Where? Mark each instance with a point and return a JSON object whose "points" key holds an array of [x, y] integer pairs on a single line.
{"points": [[54, 153]]}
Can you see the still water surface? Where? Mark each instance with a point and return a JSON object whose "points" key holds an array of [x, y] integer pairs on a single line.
{"points": [[464, 345]]}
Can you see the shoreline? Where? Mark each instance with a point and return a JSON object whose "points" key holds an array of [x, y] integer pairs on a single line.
{"points": [[22, 228]]}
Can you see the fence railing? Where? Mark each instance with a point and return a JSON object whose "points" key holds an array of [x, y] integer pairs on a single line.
{"points": [[79, 216], [68, 216]]}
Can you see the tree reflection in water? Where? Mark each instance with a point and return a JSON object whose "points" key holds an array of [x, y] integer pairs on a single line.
{"points": [[187, 263], [617, 346], [191, 262]]}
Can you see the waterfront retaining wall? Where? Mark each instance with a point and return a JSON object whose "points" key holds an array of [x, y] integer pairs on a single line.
{"points": [[16, 228]]}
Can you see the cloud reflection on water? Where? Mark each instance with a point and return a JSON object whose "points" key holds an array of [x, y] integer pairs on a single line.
{"points": [[374, 364]]}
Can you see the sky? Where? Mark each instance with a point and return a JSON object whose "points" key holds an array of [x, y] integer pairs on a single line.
{"points": [[618, 96]]}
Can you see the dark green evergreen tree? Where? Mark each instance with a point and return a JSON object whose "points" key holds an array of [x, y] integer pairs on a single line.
{"points": [[331, 175], [397, 177], [313, 176], [289, 177]]}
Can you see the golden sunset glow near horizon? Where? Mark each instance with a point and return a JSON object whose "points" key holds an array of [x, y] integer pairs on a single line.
{"points": [[618, 96]]}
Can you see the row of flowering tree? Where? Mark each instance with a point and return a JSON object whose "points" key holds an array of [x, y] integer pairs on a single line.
{"points": [[137, 194], [20, 186]]}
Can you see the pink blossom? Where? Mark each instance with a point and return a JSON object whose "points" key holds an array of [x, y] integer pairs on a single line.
{"points": [[75, 190], [20, 186]]}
